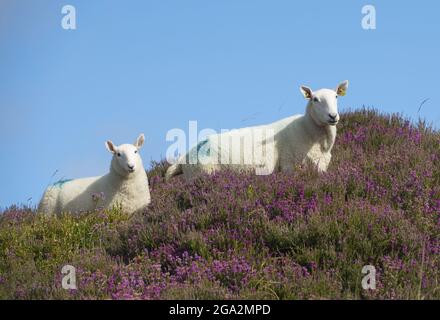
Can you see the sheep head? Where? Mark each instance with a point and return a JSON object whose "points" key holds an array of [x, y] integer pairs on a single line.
{"points": [[126, 159], [323, 103]]}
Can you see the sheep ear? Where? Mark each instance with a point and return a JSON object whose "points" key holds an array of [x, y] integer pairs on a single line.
{"points": [[342, 88], [140, 141], [110, 146], [306, 91]]}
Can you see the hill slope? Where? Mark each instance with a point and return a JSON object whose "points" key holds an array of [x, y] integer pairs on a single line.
{"points": [[244, 236]]}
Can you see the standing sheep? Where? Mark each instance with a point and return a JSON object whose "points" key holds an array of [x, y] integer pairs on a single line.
{"points": [[126, 185], [294, 140]]}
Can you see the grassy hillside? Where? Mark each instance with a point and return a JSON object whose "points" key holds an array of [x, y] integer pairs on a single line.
{"points": [[281, 236]]}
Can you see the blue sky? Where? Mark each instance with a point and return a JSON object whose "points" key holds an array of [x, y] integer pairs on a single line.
{"points": [[150, 66]]}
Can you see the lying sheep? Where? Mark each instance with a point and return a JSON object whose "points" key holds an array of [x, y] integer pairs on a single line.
{"points": [[126, 185], [294, 140]]}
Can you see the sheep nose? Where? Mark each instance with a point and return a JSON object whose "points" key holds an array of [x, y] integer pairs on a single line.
{"points": [[333, 115], [131, 167]]}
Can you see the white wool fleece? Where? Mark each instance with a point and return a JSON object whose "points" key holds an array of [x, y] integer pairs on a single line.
{"points": [[126, 185], [294, 140]]}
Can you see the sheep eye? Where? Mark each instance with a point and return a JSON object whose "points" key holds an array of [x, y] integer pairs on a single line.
{"points": [[135, 151], [336, 97], [315, 99], [119, 154]]}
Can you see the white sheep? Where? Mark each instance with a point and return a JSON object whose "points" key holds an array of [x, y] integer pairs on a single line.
{"points": [[281, 145], [126, 185]]}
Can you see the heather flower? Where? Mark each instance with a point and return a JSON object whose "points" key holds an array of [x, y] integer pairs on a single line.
{"points": [[232, 235]]}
